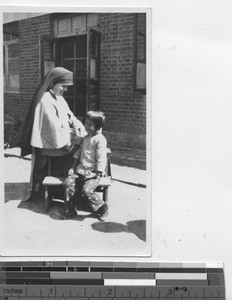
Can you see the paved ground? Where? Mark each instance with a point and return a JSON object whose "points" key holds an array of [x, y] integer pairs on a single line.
{"points": [[30, 231], [129, 157]]}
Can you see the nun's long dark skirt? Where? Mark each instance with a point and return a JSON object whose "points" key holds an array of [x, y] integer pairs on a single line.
{"points": [[50, 165]]}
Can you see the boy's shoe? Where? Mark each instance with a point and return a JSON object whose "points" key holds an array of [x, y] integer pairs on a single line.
{"points": [[70, 213], [64, 215], [103, 212]]}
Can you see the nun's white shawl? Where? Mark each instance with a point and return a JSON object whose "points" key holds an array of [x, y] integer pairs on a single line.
{"points": [[51, 126]]}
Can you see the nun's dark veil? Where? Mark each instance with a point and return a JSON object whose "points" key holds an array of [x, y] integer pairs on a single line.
{"points": [[54, 76]]}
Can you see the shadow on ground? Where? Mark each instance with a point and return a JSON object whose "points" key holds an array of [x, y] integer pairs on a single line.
{"points": [[15, 190], [137, 227], [56, 209], [17, 156], [20, 191]]}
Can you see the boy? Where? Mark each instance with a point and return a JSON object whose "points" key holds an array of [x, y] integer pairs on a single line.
{"points": [[88, 166]]}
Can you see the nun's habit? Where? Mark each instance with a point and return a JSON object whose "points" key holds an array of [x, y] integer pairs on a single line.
{"points": [[50, 129]]}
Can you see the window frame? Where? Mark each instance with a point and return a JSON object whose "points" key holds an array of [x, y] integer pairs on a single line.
{"points": [[6, 74], [136, 59]]}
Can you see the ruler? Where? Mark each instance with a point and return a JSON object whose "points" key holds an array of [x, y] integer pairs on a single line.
{"points": [[112, 280]]}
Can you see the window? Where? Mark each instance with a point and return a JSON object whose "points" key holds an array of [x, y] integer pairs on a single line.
{"points": [[81, 55], [140, 74], [11, 58]]}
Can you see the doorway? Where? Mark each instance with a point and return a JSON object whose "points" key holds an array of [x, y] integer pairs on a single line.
{"points": [[81, 55]]}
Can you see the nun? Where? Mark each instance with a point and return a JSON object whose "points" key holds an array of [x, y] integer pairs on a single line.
{"points": [[50, 131]]}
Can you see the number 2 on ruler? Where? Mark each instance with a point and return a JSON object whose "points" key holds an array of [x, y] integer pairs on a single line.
{"points": [[109, 292]]}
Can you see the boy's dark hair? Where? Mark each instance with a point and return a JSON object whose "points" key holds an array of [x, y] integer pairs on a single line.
{"points": [[97, 117]]}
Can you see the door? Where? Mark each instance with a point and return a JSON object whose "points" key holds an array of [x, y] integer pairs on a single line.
{"points": [[81, 55]]}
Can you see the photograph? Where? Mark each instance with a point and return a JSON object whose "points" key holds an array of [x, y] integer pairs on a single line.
{"points": [[77, 132]]}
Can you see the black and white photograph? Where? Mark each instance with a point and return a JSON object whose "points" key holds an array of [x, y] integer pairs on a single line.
{"points": [[116, 147], [76, 121]]}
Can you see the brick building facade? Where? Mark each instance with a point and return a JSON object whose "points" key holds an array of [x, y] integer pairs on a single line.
{"points": [[107, 53]]}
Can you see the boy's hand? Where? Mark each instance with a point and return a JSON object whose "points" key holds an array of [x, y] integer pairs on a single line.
{"points": [[70, 172], [72, 131], [89, 174]]}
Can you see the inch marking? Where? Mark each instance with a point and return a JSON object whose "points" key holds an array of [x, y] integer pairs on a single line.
{"points": [[11, 292]]}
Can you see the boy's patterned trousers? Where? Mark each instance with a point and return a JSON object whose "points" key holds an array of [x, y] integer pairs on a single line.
{"points": [[77, 185]]}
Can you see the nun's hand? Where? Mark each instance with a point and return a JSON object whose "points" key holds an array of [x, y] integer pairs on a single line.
{"points": [[68, 146]]}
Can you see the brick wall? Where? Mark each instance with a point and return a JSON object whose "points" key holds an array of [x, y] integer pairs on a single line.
{"points": [[124, 107], [30, 31], [11, 102]]}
